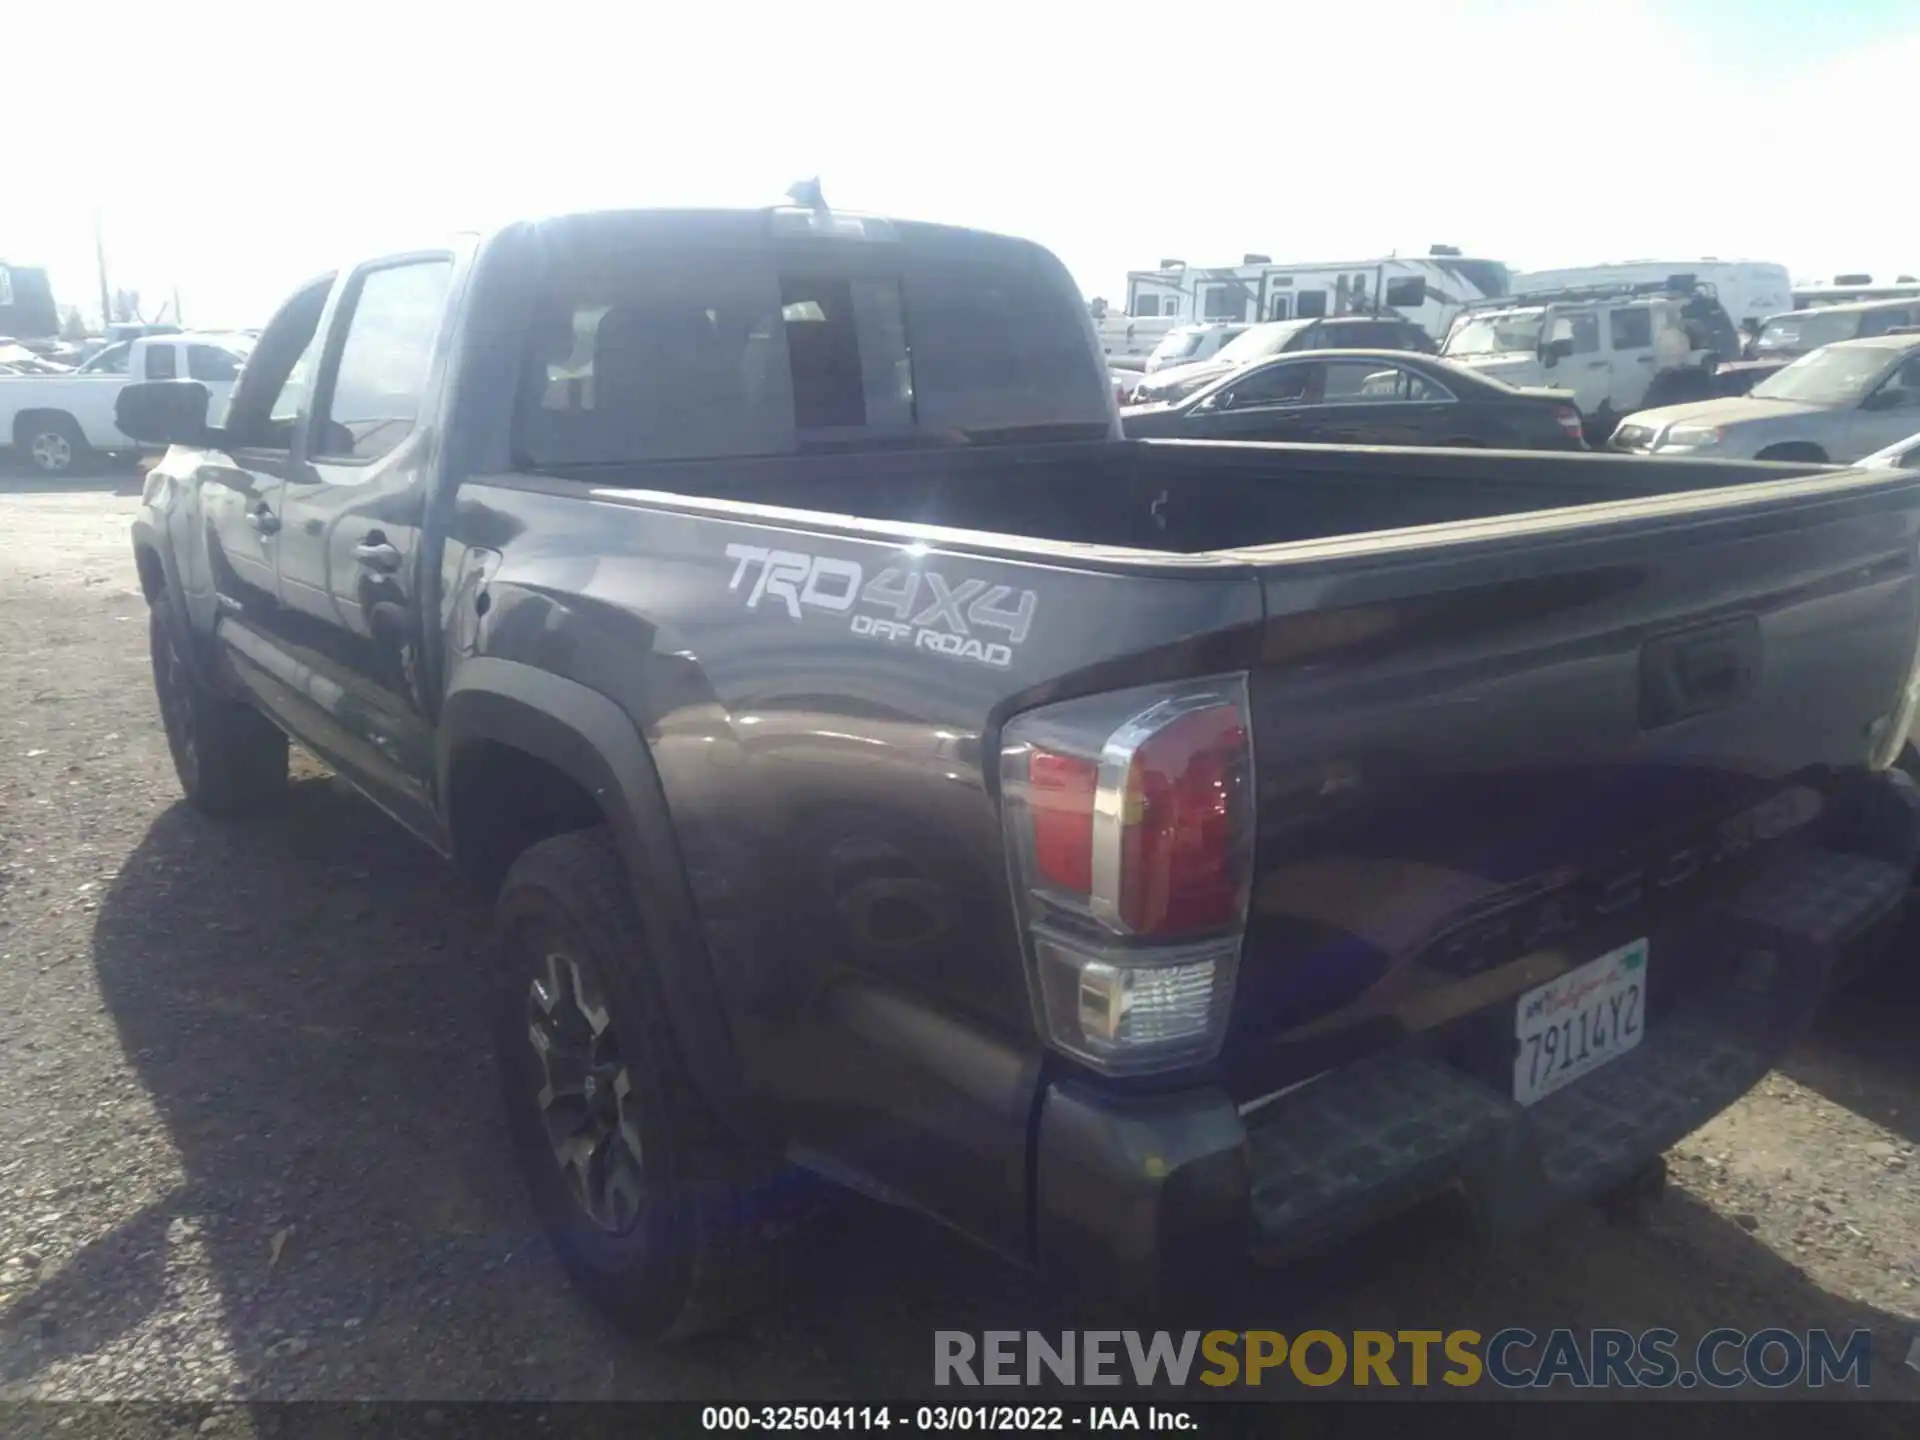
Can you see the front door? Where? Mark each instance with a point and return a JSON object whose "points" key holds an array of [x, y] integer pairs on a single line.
{"points": [[1579, 365], [1268, 402], [240, 491], [349, 619]]}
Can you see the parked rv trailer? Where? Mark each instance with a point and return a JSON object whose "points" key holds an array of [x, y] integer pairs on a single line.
{"points": [[1429, 289], [1750, 290]]}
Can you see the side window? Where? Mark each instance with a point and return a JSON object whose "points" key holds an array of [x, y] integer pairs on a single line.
{"points": [[211, 364], [1352, 382], [299, 382], [1630, 329], [1905, 384], [1310, 304], [1369, 382], [1149, 305], [1879, 322], [268, 392], [162, 362], [1224, 302], [1582, 328], [1276, 385], [110, 361], [377, 385]]}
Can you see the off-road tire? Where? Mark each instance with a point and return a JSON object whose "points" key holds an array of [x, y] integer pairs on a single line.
{"points": [[708, 1240], [230, 758]]}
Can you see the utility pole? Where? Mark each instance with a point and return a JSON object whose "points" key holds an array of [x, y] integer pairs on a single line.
{"points": [[100, 259]]}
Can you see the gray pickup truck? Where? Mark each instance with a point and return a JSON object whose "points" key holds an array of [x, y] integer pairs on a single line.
{"points": [[1144, 857]]}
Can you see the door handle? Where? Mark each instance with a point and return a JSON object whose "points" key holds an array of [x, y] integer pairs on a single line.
{"points": [[377, 555], [263, 520]]}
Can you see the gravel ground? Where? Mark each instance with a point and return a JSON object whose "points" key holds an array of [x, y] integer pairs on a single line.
{"points": [[250, 1146]]}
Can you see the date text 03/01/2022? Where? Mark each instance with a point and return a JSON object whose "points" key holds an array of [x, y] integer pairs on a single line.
{"points": [[933, 1419]]}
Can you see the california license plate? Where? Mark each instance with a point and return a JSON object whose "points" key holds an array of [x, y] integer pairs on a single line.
{"points": [[1579, 1022]]}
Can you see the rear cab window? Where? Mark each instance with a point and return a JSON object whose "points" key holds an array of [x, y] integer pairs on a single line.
{"points": [[644, 349]]}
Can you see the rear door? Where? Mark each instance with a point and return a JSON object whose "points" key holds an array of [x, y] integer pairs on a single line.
{"points": [[1371, 402], [348, 626]]}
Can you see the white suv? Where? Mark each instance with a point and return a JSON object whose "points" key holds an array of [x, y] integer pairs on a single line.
{"points": [[1605, 352]]}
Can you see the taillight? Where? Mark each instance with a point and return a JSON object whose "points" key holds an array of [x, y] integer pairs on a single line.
{"points": [[1130, 819], [1570, 421]]}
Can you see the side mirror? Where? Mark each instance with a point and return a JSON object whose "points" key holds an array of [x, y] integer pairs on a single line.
{"points": [[1554, 351], [163, 412]]}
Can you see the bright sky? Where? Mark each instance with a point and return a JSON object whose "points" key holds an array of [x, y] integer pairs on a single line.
{"points": [[231, 150]]}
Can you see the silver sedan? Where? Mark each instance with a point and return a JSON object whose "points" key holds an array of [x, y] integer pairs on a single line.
{"points": [[1836, 405]]}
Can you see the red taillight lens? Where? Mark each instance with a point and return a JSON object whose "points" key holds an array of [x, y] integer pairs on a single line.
{"points": [[1570, 420], [1179, 846], [1060, 794], [1130, 817]]}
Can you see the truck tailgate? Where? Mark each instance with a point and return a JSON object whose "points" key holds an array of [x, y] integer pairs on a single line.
{"points": [[1483, 764]]}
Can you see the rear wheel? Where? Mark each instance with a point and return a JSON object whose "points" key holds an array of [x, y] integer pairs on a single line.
{"points": [[53, 444], [230, 758], [651, 1208]]}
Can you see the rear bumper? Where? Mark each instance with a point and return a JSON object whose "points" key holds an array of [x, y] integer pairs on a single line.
{"points": [[1153, 1197]]}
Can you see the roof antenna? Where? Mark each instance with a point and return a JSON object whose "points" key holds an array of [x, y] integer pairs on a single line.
{"points": [[808, 193]]}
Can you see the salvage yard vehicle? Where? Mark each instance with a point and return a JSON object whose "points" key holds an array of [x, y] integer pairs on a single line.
{"points": [[1365, 397], [1281, 337], [1750, 290], [1785, 338], [1142, 856], [1186, 344], [1617, 348], [59, 423], [1838, 405]]}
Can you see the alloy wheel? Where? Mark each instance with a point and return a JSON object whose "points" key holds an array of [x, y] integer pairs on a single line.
{"points": [[586, 1095]]}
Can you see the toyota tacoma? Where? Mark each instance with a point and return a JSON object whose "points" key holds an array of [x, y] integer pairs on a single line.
{"points": [[1141, 856]]}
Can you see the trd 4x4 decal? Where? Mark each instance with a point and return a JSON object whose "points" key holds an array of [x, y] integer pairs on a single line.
{"points": [[920, 608]]}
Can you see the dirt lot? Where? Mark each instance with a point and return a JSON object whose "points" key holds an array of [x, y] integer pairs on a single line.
{"points": [[250, 1145]]}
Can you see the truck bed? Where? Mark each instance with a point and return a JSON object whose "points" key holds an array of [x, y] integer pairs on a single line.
{"points": [[1188, 497]]}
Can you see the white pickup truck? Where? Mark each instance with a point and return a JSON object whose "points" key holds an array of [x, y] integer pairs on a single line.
{"points": [[60, 423]]}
